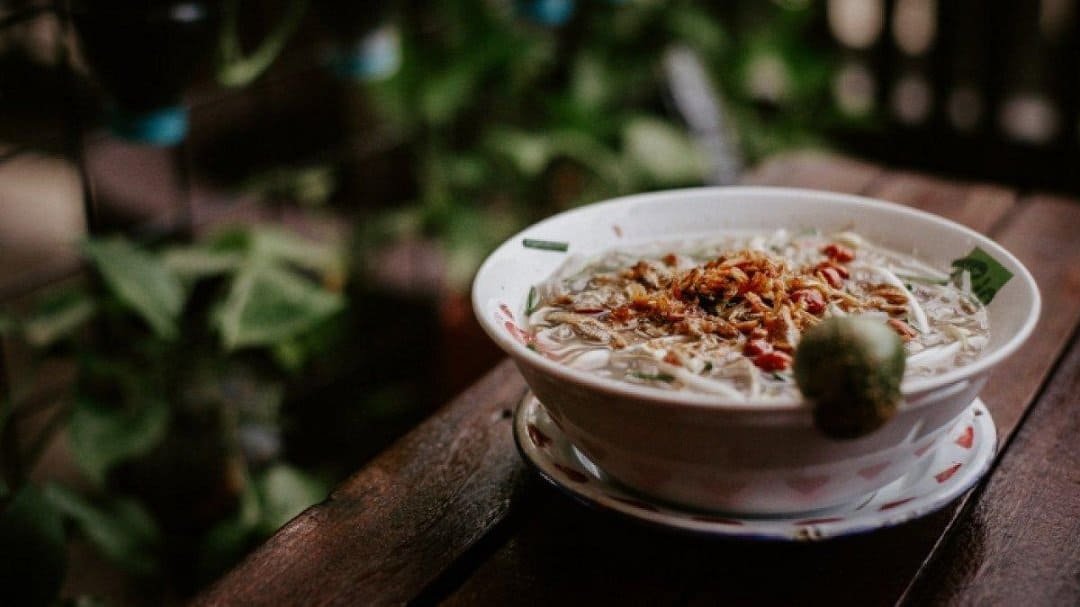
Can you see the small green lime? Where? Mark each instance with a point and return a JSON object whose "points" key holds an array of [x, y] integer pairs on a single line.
{"points": [[851, 369]]}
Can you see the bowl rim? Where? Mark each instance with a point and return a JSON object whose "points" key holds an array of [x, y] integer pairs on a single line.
{"points": [[694, 400]]}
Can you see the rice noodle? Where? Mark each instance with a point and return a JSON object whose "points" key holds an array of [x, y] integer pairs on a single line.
{"points": [[724, 316]]}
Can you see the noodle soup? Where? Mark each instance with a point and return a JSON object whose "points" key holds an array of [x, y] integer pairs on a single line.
{"points": [[725, 316]]}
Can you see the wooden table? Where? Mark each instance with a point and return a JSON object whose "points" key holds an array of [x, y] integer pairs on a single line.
{"points": [[451, 514]]}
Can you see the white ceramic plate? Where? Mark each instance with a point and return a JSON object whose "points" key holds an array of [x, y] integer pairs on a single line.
{"points": [[939, 476]]}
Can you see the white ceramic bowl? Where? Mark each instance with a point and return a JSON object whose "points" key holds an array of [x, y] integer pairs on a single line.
{"points": [[701, 450]]}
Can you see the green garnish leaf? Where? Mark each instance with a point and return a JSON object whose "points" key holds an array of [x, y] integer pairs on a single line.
{"points": [[665, 377], [987, 275], [546, 245], [530, 303], [926, 280]]}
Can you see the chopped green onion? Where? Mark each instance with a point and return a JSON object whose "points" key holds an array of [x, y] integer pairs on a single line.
{"points": [[926, 280], [546, 245], [654, 377], [530, 302]]}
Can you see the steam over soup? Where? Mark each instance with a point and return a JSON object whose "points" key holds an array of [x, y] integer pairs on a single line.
{"points": [[725, 316]]}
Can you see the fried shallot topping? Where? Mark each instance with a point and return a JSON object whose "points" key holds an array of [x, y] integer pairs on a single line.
{"points": [[747, 295]]}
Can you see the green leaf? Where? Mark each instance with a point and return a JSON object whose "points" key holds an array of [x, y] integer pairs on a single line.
{"points": [[448, 91], [530, 154], [987, 275], [663, 152], [227, 541], [285, 492], [268, 244], [234, 69], [267, 305], [695, 27], [8, 324], [591, 153], [590, 81], [119, 527], [197, 262], [308, 185], [32, 550], [57, 318], [141, 282], [103, 435]]}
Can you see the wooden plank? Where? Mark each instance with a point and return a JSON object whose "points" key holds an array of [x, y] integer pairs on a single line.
{"points": [[395, 526], [978, 206], [1018, 544], [814, 169], [1044, 237], [1042, 234]]}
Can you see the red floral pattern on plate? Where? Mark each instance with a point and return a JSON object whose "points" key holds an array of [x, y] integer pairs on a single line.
{"points": [[947, 473], [967, 438], [870, 472], [808, 485], [575, 475], [538, 438]]}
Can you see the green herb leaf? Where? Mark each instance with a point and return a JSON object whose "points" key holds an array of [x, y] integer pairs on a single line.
{"points": [[119, 527], [987, 275], [546, 245], [33, 554], [103, 435], [141, 282]]}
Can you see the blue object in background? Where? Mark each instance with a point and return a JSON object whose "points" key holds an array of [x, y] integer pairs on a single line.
{"points": [[374, 56], [161, 127], [546, 12]]}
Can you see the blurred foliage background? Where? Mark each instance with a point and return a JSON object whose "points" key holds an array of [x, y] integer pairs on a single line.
{"points": [[238, 237]]}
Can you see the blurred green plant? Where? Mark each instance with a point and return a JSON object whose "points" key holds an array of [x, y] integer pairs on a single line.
{"points": [[508, 121], [175, 417]]}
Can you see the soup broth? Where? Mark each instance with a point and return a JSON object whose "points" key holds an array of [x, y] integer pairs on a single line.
{"points": [[724, 316]]}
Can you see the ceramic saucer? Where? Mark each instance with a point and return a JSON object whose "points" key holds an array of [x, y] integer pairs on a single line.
{"points": [[952, 469]]}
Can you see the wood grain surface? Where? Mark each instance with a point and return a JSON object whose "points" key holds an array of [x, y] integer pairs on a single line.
{"points": [[451, 515], [1019, 544], [396, 525]]}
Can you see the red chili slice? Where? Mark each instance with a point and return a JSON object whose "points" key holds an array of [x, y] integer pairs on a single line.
{"points": [[838, 252], [811, 300], [773, 361], [757, 347]]}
